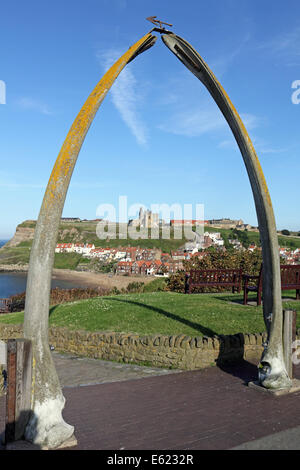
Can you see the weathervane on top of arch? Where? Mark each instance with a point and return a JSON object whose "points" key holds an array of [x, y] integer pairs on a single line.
{"points": [[158, 22]]}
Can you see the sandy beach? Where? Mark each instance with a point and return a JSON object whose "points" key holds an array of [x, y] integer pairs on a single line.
{"points": [[89, 279], [84, 278]]}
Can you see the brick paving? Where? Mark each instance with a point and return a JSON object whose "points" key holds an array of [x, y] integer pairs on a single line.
{"points": [[211, 409], [74, 371], [208, 409]]}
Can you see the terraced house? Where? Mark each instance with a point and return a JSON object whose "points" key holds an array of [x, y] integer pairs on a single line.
{"points": [[148, 268]]}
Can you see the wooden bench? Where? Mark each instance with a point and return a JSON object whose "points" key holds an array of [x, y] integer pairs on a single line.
{"points": [[231, 278], [5, 305], [290, 280]]}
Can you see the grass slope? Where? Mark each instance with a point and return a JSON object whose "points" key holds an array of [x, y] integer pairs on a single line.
{"points": [[254, 237], [160, 313], [85, 232]]}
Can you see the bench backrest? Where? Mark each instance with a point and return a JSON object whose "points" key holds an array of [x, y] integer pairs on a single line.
{"points": [[210, 276], [4, 305], [290, 275]]}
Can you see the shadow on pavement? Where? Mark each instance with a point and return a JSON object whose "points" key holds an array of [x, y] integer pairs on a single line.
{"points": [[244, 370]]}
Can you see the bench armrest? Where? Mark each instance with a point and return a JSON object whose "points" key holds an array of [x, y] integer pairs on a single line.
{"points": [[247, 279]]}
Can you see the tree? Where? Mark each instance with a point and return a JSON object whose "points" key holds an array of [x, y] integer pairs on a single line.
{"points": [[249, 262], [285, 232]]}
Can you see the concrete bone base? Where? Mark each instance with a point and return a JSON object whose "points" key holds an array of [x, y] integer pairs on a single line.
{"points": [[279, 392]]}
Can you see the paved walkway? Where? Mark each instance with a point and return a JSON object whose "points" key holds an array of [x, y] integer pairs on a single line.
{"points": [[76, 371], [206, 409]]}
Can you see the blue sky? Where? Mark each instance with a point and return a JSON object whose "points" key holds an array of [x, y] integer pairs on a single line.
{"points": [[158, 136]]}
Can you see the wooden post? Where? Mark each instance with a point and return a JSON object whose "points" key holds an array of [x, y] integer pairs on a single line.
{"points": [[289, 336], [3, 354], [18, 397]]}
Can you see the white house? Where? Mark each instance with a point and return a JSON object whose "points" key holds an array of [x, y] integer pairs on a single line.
{"points": [[88, 248], [215, 237], [78, 247], [64, 248]]}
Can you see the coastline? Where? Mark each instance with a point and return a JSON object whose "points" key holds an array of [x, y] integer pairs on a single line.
{"points": [[85, 278], [90, 279], [13, 268]]}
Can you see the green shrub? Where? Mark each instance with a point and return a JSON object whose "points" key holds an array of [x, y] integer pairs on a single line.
{"points": [[157, 285], [59, 296], [135, 287], [249, 262]]}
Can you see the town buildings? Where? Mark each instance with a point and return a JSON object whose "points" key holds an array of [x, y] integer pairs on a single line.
{"points": [[145, 261], [81, 248]]}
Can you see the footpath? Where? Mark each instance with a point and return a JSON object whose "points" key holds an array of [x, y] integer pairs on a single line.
{"points": [[126, 407]]}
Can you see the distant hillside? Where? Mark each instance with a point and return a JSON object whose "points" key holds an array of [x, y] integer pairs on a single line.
{"points": [[292, 242], [17, 250], [85, 232]]}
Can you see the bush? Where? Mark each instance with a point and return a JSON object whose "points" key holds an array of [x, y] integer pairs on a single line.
{"points": [[59, 296], [157, 285], [285, 232], [249, 262], [176, 282], [135, 287]]}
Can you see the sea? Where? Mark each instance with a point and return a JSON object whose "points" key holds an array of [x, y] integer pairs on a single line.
{"points": [[15, 283]]}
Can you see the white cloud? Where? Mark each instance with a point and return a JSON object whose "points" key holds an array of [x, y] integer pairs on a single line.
{"points": [[125, 96], [9, 184], [33, 104], [228, 144], [221, 64], [264, 148], [251, 121], [193, 123], [14, 186], [286, 46], [287, 42], [272, 150], [204, 120], [180, 93], [91, 185]]}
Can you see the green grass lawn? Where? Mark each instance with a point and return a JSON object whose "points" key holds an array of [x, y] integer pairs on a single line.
{"points": [[15, 255], [20, 255], [160, 313], [254, 237], [67, 260]]}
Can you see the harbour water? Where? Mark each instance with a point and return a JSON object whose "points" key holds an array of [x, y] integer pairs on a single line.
{"points": [[15, 283]]}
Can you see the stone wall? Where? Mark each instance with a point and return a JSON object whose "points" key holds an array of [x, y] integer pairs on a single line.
{"points": [[177, 351]]}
